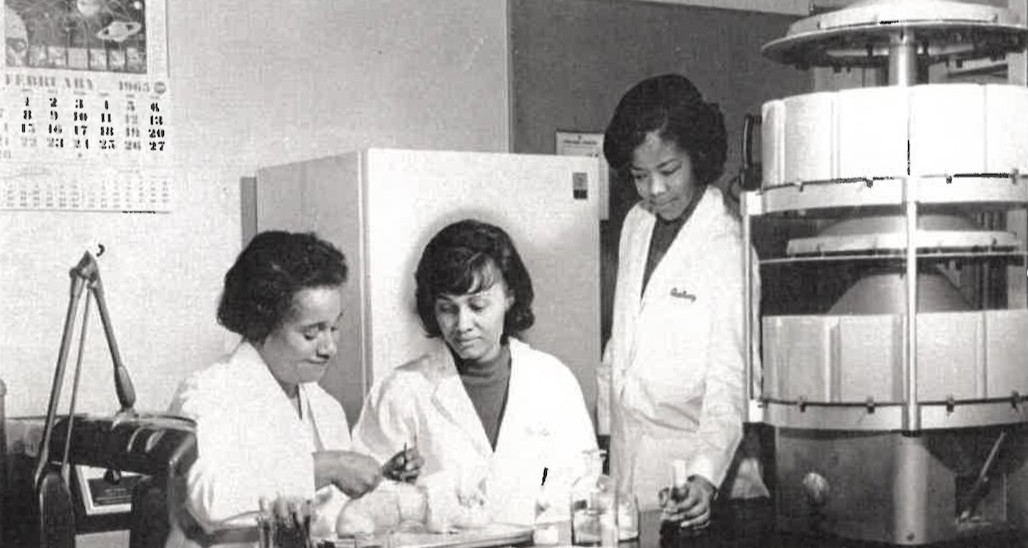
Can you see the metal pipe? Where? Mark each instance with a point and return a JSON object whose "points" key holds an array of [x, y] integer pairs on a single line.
{"points": [[747, 277], [981, 485], [74, 395], [123, 386], [902, 59], [912, 414], [77, 285]]}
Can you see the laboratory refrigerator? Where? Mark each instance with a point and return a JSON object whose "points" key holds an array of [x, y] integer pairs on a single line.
{"points": [[381, 206]]}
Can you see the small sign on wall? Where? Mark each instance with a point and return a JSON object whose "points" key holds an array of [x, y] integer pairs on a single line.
{"points": [[579, 143]]}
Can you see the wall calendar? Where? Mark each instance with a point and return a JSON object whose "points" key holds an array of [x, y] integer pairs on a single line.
{"points": [[85, 109]]}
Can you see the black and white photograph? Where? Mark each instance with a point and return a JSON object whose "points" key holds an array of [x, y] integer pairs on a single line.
{"points": [[514, 273]]}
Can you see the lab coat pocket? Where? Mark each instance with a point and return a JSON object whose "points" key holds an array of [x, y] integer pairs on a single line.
{"points": [[673, 345]]}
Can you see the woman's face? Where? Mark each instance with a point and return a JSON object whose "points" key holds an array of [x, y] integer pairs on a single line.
{"points": [[299, 350], [472, 324], [663, 176]]}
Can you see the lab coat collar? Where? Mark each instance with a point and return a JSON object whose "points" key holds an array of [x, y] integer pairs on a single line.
{"points": [[518, 398], [267, 388], [453, 401], [700, 218]]}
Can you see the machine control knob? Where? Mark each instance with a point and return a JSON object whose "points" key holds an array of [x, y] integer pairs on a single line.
{"points": [[817, 489], [112, 476]]}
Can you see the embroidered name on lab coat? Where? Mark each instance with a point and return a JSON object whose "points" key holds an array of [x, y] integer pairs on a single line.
{"points": [[683, 294], [537, 430]]}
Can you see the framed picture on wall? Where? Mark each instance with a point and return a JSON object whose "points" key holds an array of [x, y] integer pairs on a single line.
{"points": [[586, 143]]}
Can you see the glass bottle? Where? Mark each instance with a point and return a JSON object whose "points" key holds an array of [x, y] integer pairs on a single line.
{"points": [[628, 507], [594, 504], [628, 516]]}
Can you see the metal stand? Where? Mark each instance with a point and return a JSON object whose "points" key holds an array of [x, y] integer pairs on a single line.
{"points": [[57, 524]]}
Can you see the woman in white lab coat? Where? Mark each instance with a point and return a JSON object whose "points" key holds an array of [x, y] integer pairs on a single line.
{"points": [[671, 380], [265, 430], [482, 406]]}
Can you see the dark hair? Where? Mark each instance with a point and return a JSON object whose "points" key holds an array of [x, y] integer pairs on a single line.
{"points": [[275, 266], [672, 106], [457, 261]]}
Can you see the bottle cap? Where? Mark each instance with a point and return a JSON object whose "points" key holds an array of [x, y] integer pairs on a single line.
{"points": [[678, 477]]}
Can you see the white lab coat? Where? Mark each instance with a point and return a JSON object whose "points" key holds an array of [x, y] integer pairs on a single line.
{"points": [[251, 443], [545, 424], [676, 355]]}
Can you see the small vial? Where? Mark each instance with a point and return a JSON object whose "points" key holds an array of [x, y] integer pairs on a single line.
{"points": [[678, 478], [545, 531], [671, 533]]}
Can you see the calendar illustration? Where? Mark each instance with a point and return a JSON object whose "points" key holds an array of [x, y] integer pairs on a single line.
{"points": [[85, 86]]}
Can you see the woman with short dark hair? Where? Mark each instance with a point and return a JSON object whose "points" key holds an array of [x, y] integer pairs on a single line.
{"points": [[453, 259], [483, 407], [266, 432], [275, 266], [671, 379]]}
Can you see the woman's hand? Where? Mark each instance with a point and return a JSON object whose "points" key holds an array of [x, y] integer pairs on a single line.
{"points": [[689, 504], [404, 466], [353, 473]]}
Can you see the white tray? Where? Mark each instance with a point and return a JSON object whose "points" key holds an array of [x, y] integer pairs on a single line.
{"points": [[494, 534]]}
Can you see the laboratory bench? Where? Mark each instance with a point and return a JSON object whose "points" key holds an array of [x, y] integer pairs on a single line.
{"points": [[751, 524], [739, 524], [736, 523]]}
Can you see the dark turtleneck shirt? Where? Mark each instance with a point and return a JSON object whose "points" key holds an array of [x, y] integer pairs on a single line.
{"points": [[487, 387], [664, 233]]}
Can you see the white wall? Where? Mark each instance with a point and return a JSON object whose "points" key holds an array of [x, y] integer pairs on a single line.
{"points": [[254, 82], [273, 81]]}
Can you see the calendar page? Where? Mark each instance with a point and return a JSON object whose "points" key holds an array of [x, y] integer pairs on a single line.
{"points": [[86, 113]]}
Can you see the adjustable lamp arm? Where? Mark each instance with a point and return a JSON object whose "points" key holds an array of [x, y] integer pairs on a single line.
{"points": [[84, 274], [122, 381], [77, 283]]}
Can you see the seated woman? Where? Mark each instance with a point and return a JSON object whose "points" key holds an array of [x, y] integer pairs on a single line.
{"points": [[266, 432], [484, 408]]}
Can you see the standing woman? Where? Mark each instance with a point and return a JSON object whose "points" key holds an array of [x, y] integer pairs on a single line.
{"points": [[671, 380], [266, 432], [483, 407]]}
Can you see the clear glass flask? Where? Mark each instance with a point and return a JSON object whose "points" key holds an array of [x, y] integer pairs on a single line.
{"points": [[594, 504]]}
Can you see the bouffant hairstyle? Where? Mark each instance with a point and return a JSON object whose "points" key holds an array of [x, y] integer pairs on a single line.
{"points": [[672, 106], [464, 258], [274, 267]]}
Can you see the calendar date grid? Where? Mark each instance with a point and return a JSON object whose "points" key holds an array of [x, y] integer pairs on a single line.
{"points": [[58, 126]]}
